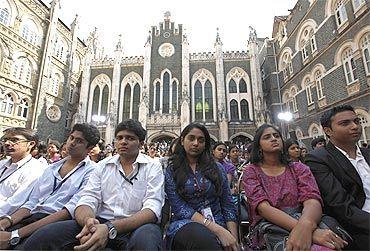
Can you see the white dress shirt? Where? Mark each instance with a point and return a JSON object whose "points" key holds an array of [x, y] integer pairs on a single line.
{"points": [[53, 193], [111, 196], [18, 179], [363, 170]]}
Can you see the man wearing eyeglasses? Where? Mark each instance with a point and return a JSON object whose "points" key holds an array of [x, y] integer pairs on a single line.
{"points": [[20, 170], [55, 194], [118, 206]]}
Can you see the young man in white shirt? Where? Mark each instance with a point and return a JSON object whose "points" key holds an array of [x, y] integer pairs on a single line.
{"points": [[342, 172], [19, 172], [55, 194], [119, 205]]}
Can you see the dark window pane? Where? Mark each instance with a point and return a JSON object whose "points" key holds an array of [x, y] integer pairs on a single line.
{"points": [[234, 112], [174, 96], [104, 102], [166, 93], [242, 86], [157, 96], [136, 102], [95, 105], [198, 101], [127, 102], [244, 110], [208, 100], [232, 86]]}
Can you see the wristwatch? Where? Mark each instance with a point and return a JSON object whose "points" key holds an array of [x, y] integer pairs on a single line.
{"points": [[14, 238], [112, 231]]}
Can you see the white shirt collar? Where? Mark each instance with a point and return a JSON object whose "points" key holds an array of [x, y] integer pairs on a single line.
{"points": [[358, 152], [19, 163]]}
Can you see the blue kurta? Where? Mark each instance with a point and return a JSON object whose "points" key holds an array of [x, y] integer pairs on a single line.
{"points": [[222, 207]]}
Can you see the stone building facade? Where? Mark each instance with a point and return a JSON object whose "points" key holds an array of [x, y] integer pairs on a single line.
{"points": [[169, 87], [40, 68], [319, 57]]}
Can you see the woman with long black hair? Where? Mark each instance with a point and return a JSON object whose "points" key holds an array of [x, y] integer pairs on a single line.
{"points": [[204, 216], [273, 184]]}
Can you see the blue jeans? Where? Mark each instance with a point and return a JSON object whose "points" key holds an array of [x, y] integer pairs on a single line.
{"points": [[62, 236]]}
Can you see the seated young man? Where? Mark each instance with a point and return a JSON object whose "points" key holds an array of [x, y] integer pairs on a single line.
{"points": [[19, 172], [55, 194], [342, 172], [118, 206]]}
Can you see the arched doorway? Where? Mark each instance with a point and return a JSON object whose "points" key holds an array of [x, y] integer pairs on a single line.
{"points": [[241, 139], [162, 139]]}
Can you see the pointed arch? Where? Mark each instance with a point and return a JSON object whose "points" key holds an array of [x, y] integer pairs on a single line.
{"points": [[244, 92], [203, 87], [127, 100], [314, 130], [104, 83]]}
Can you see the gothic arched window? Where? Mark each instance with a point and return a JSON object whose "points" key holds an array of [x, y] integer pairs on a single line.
{"points": [[174, 96], [234, 110], [208, 100], [127, 102], [349, 65], [198, 100], [157, 96], [166, 93], [242, 86], [232, 86], [365, 47], [104, 101], [136, 102], [95, 104], [7, 105], [23, 109], [244, 110], [22, 70], [29, 31]]}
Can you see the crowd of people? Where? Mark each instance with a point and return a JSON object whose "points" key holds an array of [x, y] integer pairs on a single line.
{"points": [[85, 195]]}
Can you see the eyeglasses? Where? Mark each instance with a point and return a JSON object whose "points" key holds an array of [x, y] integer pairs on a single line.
{"points": [[12, 141]]}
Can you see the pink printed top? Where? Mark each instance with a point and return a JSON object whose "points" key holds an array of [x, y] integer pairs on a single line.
{"points": [[287, 190]]}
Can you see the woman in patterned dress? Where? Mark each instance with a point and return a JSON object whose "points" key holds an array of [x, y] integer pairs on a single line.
{"points": [[204, 217], [273, 184]]}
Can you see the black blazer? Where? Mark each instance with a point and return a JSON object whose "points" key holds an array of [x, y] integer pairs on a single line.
{"points": [[340, 186]]}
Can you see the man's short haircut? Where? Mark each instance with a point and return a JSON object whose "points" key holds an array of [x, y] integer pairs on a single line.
{"points": [[327, 116], [315, 141], [89, 132], [29, 134], [132, 126]]}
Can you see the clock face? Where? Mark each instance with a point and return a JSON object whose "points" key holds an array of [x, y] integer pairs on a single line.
{"points": [[166, 50], [166, 34], [53, 113]]}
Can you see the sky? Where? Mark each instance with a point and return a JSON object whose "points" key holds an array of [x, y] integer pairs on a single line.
{"points": [[200, 18]]}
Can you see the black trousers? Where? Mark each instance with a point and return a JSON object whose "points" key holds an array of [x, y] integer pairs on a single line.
{"points": [[62, 236], [26, 221], [195, 236]]}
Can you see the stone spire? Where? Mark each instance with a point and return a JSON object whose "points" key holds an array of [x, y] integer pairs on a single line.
{"points": [[218, 38], [75, 23], [167, 16], [119, 43]]}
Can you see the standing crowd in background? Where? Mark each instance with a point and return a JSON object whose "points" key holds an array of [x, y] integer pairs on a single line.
{"points": [[188, 193]]}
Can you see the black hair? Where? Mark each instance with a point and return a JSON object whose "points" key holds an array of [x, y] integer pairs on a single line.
{"points": [[132, 126], [89, 132], [219, 144], [256, 157], [326, 117], [29, 134], [315, 141], [288, 143], [206, 163], [173, 144], [232, 146]]}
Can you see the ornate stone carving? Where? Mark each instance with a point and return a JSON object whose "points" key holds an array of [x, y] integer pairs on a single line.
{"points": [[166, 50], [203, 75], [53, 113], [202, 56]]}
